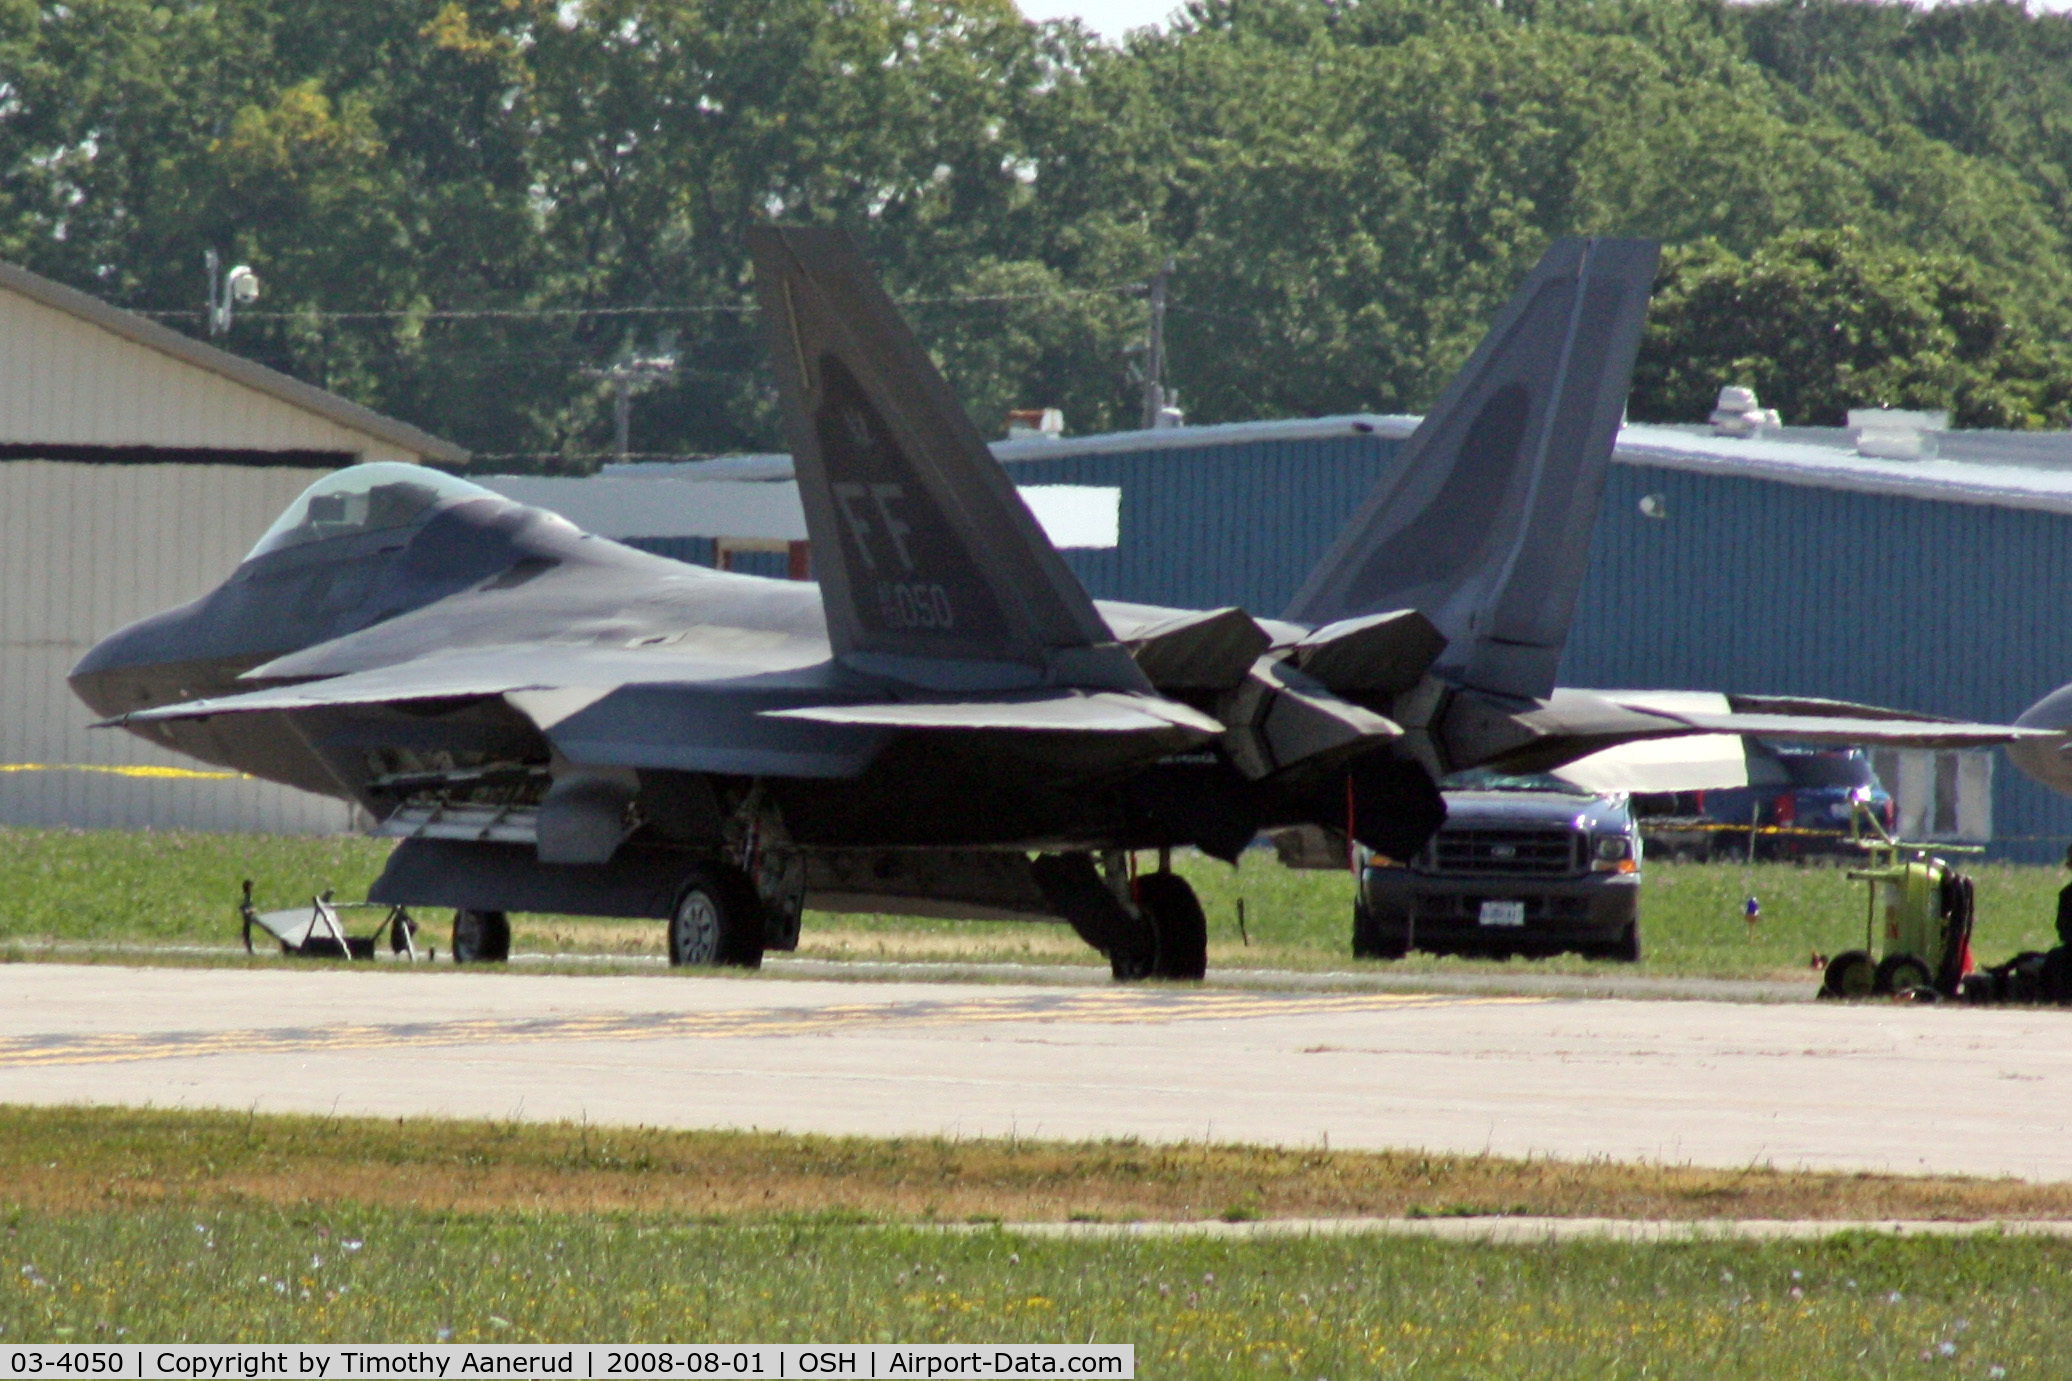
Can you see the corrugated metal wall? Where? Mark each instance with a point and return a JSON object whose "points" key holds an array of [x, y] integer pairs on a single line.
{"points": [[85, 549], [1212, 525], [1749, 585], [67, 380], [698, 551]]}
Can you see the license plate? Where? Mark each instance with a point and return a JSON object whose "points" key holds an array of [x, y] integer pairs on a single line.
{"points": [[1503, 913]]}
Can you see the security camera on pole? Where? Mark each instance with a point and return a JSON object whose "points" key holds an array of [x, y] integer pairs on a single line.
{"points": [[227, 291]]}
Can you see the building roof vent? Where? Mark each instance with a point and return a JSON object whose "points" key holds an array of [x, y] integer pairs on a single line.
{"points": [[1737, 414], [1035, 424], [1896, 434]]}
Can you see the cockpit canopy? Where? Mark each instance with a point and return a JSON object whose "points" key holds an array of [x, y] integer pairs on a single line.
{"points": [[363, 498]]}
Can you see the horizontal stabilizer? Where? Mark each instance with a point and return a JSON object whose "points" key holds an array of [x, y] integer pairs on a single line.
{"points": [[1806, 705], [1207, 651], [1897, 733], [1376, 655], [1058, 712]]}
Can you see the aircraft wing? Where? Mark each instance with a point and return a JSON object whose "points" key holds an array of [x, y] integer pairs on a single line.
{"points": [[1069, 711], [634, 708], [512, 669]]}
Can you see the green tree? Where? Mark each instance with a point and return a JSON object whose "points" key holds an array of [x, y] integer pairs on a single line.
{"points": [[1818, 323]]}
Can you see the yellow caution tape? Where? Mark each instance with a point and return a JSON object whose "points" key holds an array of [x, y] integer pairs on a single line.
{"points": [[183, 774], [1648, 826]]}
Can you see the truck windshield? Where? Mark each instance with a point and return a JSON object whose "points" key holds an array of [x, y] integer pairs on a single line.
{"points": [[1485, 779]]}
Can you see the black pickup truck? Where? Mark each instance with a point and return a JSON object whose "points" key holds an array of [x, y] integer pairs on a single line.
{"points": [[1523, 865]]}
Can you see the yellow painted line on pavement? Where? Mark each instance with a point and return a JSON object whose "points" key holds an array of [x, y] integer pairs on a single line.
{"points": [[65, 1048]]}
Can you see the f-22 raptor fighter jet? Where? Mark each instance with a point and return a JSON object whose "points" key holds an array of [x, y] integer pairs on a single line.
{"points": [[945, 724]]}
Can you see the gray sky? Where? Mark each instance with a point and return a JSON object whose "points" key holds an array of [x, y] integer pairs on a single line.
{"points": [[1110, 18]]}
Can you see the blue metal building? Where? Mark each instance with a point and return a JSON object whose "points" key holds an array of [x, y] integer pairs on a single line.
{"points": [[1786, 564]]}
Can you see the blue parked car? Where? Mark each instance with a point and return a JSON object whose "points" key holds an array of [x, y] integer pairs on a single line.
{"points": [[1811, 789]]}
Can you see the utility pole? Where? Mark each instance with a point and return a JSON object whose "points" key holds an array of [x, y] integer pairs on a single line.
{"points": [[1155, 400], [628, 376]]}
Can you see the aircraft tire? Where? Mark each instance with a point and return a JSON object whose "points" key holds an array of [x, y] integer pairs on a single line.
{"points": [[1175, 913], [481, 937], [718, 921]]}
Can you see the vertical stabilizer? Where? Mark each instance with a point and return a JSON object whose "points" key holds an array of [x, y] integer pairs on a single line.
{"points": [[930, 566], [1484, 524]]}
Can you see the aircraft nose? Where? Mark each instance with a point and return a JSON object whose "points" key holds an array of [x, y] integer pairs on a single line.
{"points": [[2047, 760], [115, 674]]}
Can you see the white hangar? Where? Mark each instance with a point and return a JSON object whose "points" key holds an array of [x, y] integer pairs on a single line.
{"points": [[137, 466]]}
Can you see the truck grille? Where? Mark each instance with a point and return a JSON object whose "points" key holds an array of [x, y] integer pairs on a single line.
{"points": [[1508, 851]]}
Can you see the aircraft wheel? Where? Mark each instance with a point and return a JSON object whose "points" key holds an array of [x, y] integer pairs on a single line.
{"points": [[718, 921], [481, 937], [1850, 974], [1169, 903], [1898, 972]]}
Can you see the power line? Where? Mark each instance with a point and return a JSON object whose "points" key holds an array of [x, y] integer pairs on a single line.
{"points": [[594, 457], [568, 313], [1220, 316]]}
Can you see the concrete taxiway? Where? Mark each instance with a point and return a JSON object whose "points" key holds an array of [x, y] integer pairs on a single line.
{"points": [[1878, 1087]]}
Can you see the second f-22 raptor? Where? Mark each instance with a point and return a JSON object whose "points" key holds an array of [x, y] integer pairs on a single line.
{"points": [[945, 724]]}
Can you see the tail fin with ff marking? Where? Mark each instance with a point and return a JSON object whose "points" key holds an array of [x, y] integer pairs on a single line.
{"points": [[931, 568], [1484, 523]]}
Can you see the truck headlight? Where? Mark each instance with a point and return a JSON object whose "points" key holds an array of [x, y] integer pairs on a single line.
{"points": [[1613, 854]]}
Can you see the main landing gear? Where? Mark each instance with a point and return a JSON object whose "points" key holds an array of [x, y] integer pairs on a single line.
{"points": [[1181, 931], [481, 937], [1149, 926]]}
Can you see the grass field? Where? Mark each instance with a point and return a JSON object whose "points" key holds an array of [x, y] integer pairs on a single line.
{"points": [[71, 1160], [219, 1227], [128, 887], [174, 888], [1334, 1308]]}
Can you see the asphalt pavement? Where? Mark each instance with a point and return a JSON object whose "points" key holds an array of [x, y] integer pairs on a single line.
{"points": [[1937, 1089]]}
